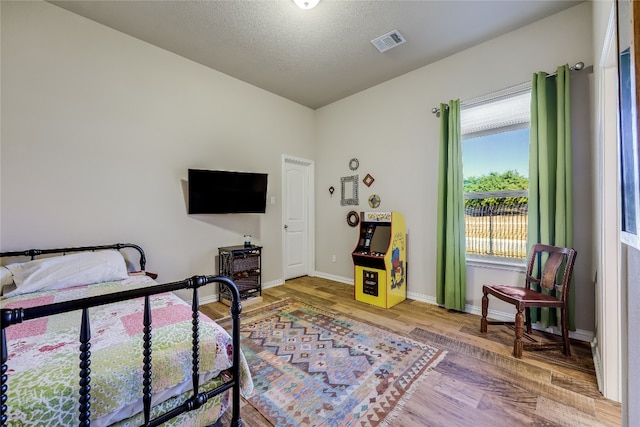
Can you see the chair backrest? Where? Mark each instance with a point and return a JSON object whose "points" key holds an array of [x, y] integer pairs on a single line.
{"points": [[556, 270]]}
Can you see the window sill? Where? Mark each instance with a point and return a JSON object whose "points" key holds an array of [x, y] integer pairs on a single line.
{"points": [[496, 263]]}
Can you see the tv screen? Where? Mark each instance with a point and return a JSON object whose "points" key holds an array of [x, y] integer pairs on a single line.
{"points": [[215, 191]]}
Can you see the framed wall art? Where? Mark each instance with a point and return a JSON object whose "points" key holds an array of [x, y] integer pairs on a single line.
{"points": [[349, 186]]}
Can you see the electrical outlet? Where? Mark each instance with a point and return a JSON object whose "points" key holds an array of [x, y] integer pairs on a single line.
{"points": [[333, 258]]}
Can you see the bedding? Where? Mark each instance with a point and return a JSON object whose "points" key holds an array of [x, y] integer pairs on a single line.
{"points": [[6, 278], [43, 356], [65, 271]]}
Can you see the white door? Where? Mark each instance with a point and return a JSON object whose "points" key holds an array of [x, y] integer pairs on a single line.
{"points": [[297, 213]]}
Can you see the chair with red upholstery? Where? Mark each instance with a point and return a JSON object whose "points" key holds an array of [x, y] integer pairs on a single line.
{"points": [[554, 277]]}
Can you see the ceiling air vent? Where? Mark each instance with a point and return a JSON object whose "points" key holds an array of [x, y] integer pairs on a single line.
{"points": [[389, 40]]}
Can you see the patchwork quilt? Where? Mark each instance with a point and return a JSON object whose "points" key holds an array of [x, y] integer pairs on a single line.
{"points": [[43, 372]]}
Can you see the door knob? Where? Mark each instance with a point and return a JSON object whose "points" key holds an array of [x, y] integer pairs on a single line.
{"points": [[286, 226]]}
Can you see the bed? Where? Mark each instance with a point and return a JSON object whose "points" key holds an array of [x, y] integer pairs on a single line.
{"points": [[88, 339]]}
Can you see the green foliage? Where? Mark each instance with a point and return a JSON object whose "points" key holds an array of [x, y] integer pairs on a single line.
{"points": [[494, 181]]}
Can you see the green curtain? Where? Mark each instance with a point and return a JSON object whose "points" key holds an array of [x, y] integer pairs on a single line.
{"points": [[550, 172], [451, 269]]}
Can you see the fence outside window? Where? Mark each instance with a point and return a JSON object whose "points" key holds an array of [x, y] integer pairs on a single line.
{"points": [[496, 223]]}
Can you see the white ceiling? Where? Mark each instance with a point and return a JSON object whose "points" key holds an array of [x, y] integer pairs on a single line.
{"points": [[318, 56]]}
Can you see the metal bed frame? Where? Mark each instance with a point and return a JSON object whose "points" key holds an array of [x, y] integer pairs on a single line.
{"points": [[13, 316]]}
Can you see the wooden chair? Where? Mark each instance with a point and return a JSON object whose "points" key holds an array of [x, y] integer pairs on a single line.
{"points": [[556, 277]]}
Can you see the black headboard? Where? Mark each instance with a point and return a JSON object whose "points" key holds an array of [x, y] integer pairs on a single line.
{"points": [[32, 253]]}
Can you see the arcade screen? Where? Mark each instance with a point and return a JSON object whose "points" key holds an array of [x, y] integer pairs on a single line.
{"points": [[381, 238]]}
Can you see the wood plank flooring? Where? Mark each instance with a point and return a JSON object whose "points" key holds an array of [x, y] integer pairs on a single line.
{"points": [[479, 382]]}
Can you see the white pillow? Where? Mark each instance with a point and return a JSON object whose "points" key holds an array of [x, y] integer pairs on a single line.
{"points": [[84, 268], [6, 278], [6, 281]]}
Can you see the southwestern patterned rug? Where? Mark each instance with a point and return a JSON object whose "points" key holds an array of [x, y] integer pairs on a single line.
{"points": [[313, 367]]}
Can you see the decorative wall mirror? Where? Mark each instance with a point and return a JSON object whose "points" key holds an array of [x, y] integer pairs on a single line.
{"points": [[627, 98], [353, 219], [349, 190], [368, 180]]}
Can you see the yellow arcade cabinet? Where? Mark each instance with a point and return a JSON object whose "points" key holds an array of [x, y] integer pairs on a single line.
{"points": [[380, 259]]}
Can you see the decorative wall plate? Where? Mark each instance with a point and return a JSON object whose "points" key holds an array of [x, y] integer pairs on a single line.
{"points": [[374, 201], [354, 164]]}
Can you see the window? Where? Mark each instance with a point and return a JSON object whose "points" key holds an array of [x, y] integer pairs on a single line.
{"points": [[495, 157]]}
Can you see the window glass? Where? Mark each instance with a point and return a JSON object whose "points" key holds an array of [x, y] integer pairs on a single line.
{"points": [[496, 171]]}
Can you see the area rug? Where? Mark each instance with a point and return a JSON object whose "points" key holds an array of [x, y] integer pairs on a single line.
{"points": [[313, 367]]}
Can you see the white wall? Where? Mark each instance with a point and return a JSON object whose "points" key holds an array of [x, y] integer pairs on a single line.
{"points": [[99, 129], [391, 130]]}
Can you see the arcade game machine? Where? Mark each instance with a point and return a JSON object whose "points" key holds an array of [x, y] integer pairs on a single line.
{"points": [[380, 259]]}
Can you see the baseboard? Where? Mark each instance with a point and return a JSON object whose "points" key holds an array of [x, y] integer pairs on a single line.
{"points": [[209, 299], [597, 363], [422, 298], [345, 280], [272, 283]]}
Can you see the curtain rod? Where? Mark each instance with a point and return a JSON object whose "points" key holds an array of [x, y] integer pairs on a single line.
{"points": [[578, 67]]}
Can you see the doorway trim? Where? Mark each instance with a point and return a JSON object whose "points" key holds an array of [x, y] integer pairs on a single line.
{"points": [[607, 343], [309, 164]]}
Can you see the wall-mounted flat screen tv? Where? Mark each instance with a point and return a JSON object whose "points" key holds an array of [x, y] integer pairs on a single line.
{"points": [[217, 192]]}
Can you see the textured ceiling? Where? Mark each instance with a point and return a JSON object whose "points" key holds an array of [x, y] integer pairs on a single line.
{"points": [[318, 56]]}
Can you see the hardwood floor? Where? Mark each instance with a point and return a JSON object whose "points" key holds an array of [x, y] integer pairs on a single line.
{"points": [[479, 382]]}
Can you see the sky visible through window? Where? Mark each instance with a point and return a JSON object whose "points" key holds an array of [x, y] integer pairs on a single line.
{"points": [[499, 152]]}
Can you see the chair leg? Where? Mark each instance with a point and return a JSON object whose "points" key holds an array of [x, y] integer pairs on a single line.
{"points": [[528, 319], [565, 333], [485, 309], [518, 344]]}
